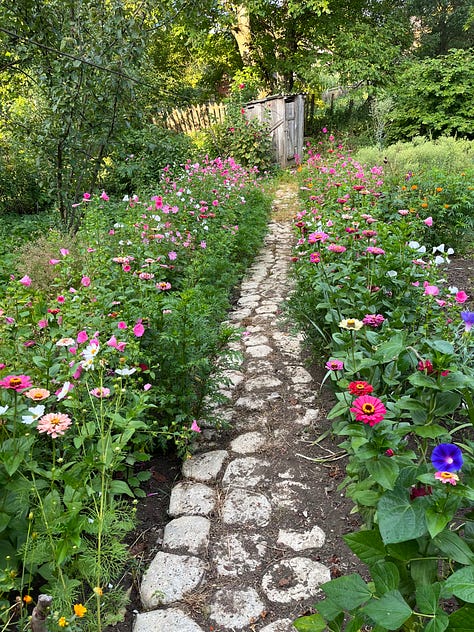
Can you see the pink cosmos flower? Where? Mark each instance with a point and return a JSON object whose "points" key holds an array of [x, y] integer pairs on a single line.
{"points": [[85, 281], [26, 281], [428, 221], [403, 211], [122, 325], [61, 299], [195, 427], [172, 255], [42, 324], [461, 297], [16, 382], [54, 424], [104, 196], [54, 262], [146, 387], [368, 409], [86, 196], [100, 392], [139, 330], [64, 251]]}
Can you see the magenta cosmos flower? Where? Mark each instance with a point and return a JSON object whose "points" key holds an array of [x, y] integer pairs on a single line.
{"points": [[368, 409], [54, 424], [16, 382]]}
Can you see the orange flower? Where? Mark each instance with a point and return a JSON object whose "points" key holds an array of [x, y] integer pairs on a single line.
{"points": [[439, 189], [414, 187], [424, 205], [27, 598], [79, 610], [37, 394]]}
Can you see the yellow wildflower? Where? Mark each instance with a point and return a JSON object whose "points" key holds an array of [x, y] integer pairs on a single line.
{"points": [[79, 610]]}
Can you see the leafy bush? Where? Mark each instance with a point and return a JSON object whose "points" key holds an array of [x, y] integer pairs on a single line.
{"points": [[137, 162], [434, 97]]}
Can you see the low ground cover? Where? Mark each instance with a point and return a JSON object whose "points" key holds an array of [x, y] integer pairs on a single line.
{"points": [[112, 347], [373, 294]]}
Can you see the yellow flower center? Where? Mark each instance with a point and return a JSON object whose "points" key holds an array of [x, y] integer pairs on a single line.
{"points": [[368, 409]]}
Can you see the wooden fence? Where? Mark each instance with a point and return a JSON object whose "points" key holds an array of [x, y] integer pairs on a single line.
{"points": [[193, 118]]}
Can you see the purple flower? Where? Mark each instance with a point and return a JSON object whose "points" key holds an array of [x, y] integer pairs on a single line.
{"points": [[447, 457], [468, 318], [334, 365]]}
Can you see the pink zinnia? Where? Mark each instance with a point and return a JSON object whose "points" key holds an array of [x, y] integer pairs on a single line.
{"points": [[16, 382], [82, 336], [368, 409], [37, 394], [461, 297], [139, 330], [54, 424], [315, 257], [336, 248], [85, 281]]}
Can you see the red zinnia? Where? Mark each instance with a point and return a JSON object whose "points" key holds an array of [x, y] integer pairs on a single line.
{"points": [[360, 388], [368, 409]]}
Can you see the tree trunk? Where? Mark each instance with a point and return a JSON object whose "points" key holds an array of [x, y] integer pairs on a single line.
{"points": [[40, 612], [242, 33]]}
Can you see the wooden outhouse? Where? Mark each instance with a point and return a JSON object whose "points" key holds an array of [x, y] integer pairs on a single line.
{"points": [[285, 116]]}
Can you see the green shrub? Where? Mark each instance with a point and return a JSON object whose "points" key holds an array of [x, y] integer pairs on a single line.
{"points": [[434, 96], [138, 161]]}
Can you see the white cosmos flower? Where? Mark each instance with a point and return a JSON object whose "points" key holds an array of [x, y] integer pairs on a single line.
{"points": [[36, 413], [125, 371], [64, 391], [392, 273], [3, 410]]}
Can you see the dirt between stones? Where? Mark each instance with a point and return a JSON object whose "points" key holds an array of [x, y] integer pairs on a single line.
{"points": [[325, 505]]}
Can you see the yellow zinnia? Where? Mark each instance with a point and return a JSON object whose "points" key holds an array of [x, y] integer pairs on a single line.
{"points": [[79, 610]]}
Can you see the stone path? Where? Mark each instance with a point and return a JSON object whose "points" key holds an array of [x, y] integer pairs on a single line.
{"points": [[241, 549]]}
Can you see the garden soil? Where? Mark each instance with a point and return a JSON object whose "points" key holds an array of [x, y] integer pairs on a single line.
{"points": [[320, 465]]}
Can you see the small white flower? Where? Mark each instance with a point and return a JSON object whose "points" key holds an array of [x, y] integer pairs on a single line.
{"points": [[392, 273], [125, 198], [64, 391], [3, 410], [125, 371], [118, 225], [36, 413], [439, 260], [453, 289], [90, 351]]}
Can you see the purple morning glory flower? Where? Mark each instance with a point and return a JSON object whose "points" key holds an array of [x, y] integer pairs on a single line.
{"points": [[468, 318], [447, 457]]}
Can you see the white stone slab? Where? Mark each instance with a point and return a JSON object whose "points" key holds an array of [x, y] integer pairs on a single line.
{"points": [[246, 471], [205, 466], [259, 351], [169, 578], [190, 533], [261, 382], [237, 554], [246, 507], [253, 340], [248, 443], [294, 579], [235, 609], [165, 621], [191, 499], [302, 540], [300, 376]]}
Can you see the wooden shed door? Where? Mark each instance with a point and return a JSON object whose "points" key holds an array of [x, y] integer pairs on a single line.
{"points": [[291, 129]]}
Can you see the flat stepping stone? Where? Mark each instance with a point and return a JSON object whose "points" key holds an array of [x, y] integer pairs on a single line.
{"points": [[165, 621], [192, 499], [190, 533], [238, 554], [302, 540], [246, 471], [259, 351], [300, 376], [287, 494], [204, 467], [232, 378], [282, 625], [246, 507], [169, 578], [269, 308], [251, 402], [265, 381], [236, 609], [248, 443], [252, 341], [294, 579]]}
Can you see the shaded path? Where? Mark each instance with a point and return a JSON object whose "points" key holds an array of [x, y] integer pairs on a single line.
{"points": [[244, 546]]}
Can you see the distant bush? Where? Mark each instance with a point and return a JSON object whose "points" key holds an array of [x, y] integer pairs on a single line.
{"points": [[138, 161], [434, 97]]}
